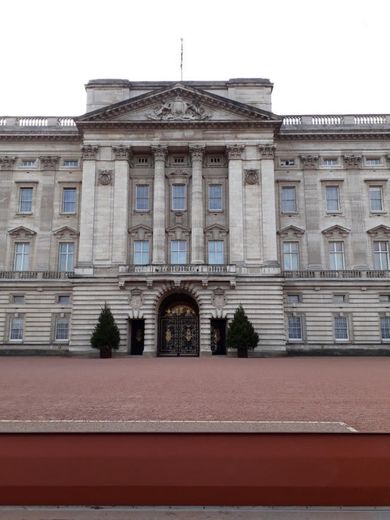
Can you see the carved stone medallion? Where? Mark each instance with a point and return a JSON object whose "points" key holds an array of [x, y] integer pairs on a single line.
{"points": [[105, 177], [178, 110], [251, 176]]}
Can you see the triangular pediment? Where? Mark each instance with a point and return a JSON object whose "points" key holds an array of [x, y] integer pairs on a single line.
{"points": [[179, 103], [379, 230], [291, 230], [65, 231], [336, 230], [140, 227], [21, 231]]}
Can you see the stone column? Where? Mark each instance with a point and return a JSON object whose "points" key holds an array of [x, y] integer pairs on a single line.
{"points": [[270, 254], [121, 206], [159, 204], [197, 210], [236, 218], [87, 214]]}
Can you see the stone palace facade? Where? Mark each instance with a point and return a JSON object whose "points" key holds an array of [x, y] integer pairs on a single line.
{"points": [[176, 202]]}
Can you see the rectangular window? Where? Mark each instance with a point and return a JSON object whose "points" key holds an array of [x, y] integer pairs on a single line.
{"points": [[71, 163], [25, 200], [142, 197], [341, 328], [384, 298], [329, 162], [66, 256], [292, 299], [178, 252], [381, 255], [290, 256], [141, 252], [18, 299], [339, 298], [216, 253], [69, 196], [215, 197], [373, 161], [289, 199], [332, 198], [178, 197], [385, 327], [336, 255], [375, 196], [28, 163], [61, 329], [295, 328], [215, 159], [178, 160], [22, 256], [64, 299], [143, 160], [16, 329], [287, 162]]}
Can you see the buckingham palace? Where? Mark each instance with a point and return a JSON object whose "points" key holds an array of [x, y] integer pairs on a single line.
{"points": [[174, 203]]}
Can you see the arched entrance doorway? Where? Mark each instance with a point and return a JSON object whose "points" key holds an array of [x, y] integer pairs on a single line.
{"points": [[178, 326]]}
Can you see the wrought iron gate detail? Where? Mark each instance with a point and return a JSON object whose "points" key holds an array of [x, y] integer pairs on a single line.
{"points": [[179, 331]]}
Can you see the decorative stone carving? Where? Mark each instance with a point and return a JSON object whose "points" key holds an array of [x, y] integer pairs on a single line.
{"points": [[291, 231], [159, 152], [65, 232], [219, 298], [309, 161], [251, 176], [7, 162], [267, 151], [234, 151], [105, 177], [197, 152], [121, 153], [336, 231], [21, 232], [136, 298], [49, 162], [89, 152], [380, 231], [352, 161], [178, 110]]}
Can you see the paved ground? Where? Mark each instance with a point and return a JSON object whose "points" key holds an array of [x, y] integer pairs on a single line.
{"points": [[350, 391]]}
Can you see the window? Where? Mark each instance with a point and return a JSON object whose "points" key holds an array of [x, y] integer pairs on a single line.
{"points": [[290, 256], [25, 200], [339, 298], [295, 328], [336, 255], [332, 198], [178, 252], [216, 254], [375, 196], [381, 255], [215, 159], [178, 160], [71, 163], [141, 252], [289, 200], [64, 299], [329, 162], [287, 162], [18, 299], [22, 254], [373, 161], [178, 197], [61, 329], [66, 256], [293, 298], [16, 329], [143, 160], [385, 327], [142, 197], [215, 197], [69, 200], [28, 163], [384, 298], [341, 328]]}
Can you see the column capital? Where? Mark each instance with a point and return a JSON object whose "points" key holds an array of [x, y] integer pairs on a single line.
{"points": [[197, 151], [121, 153], [352, 161], [309, 161], [49, 162], [7, 162], [267, 151], [159, 152], [89, 152], [234, 151]]}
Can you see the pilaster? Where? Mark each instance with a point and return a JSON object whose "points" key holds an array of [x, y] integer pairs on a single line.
{"points": [[121, 205], [236, 217], [270, 255], [159, 153], [197, 210]]}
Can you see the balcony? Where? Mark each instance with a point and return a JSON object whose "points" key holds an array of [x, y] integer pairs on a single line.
{"points": [[341, 274], [182, 269], [35, 275]]}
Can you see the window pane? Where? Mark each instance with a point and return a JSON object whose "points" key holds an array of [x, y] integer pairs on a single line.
{"points": [[332, 198], [141, 252], [375, 195], [341, 327], [66, 256], [289, 204], [215, 197], [62, 329], [290, 256], [293, 298], [385, 327], [381, 255], [216, 253], [142, 197], [22, 252], [336, 255], [294, 327], [178, 252], [25, 200], [64, 299], [69, 200], [16, 329], [178, 197]]}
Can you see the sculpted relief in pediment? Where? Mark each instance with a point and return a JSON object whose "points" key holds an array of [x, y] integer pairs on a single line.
{"points": [[178, 110]]}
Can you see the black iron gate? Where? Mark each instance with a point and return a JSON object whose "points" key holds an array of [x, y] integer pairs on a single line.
{"points": [[179, 332]]}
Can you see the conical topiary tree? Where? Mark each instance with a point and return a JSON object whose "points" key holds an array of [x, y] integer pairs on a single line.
{"points": [[241, 334], [105, 335]]}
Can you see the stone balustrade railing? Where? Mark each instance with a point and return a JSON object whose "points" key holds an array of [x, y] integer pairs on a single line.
{"points": [[203, 269], [346, 273], [36, 121], [336, 120], [35, 275]]}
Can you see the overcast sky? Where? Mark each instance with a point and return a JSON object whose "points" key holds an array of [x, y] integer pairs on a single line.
{"points": [[324, 56]]}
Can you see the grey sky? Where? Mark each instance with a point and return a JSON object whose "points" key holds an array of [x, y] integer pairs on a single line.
{"points": [[323, 56]]}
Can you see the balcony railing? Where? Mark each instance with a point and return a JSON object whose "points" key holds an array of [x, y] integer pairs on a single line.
{"points": [[183, 269], [336, 120], [29, 122], [348, 273], [35, 275]]}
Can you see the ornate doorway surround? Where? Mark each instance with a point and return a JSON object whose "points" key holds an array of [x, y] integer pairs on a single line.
{"points": [[178, 326]]}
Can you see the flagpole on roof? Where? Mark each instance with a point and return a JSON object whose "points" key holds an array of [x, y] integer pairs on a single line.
{"points": [[181, 60]]}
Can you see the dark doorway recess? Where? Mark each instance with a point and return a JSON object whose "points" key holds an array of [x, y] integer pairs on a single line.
{"points": [[218, 337], [178, 326], [137, 335]]}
